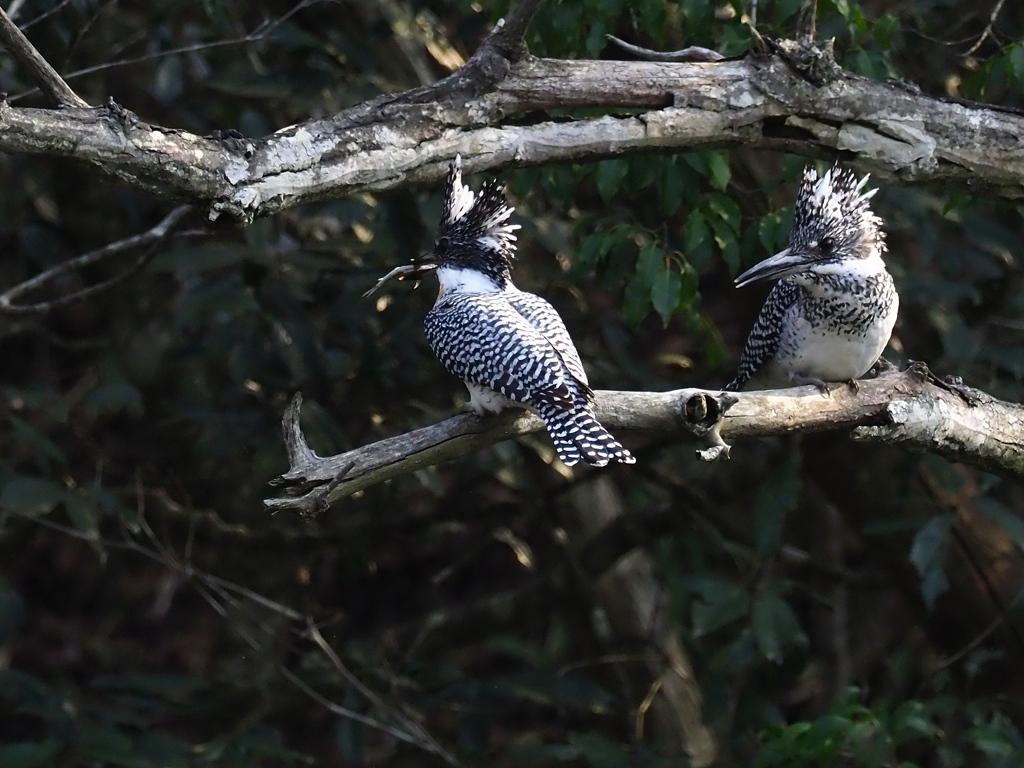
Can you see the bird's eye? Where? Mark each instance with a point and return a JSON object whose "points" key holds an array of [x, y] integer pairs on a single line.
{"points": [[444, 242], [825, 245]]}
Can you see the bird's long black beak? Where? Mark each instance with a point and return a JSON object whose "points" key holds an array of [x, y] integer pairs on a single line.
{"points": [[783, 263], [414, 270]]}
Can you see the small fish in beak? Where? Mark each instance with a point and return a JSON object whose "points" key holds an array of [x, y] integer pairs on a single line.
{"points": [[414, 271]]}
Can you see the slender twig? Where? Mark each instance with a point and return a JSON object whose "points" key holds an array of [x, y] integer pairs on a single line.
{"points": [[261, 32], [46, 77], [154, 238], [692, 53], [82, 29], [988, 29], [215, 591], [408, 724], [41, 17], [351, 714]]}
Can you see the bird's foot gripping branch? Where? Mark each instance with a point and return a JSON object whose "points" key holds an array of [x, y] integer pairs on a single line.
{"points": [[909, 408]]}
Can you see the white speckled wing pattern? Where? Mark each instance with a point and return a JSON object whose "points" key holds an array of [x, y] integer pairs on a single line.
{"points": [[763, 341], [542, 316], [484, 340]]}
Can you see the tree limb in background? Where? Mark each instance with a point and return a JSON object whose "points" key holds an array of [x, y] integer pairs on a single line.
{"points": [[154, 238], [45, 76], [908, 409], [784, 96]]}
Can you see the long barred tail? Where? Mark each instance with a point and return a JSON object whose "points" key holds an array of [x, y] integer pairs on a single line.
{"points": [[579, 435]]}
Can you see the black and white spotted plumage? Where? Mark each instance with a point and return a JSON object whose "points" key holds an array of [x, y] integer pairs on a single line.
{"points": [[831, 314], [763, 341], [508, 346]]}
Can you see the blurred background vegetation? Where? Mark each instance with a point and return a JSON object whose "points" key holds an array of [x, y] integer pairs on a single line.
{"points": [[811, 602]]}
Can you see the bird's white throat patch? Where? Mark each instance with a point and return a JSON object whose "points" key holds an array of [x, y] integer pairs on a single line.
{"points": [[853, 267], [465, 281]]}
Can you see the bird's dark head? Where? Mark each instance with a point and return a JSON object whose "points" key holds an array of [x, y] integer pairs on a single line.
{"points": [[834, 230], [474, 234]]}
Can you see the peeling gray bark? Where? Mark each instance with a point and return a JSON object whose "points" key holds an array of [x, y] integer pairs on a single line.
{"points": [[905, 408], [758, 101]]}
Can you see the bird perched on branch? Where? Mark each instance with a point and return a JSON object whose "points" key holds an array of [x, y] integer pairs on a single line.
{"points": [[831, 314], [507, 346]]}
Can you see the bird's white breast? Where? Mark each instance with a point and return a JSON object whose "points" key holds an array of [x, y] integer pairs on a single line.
{"points": [[824, 352]]}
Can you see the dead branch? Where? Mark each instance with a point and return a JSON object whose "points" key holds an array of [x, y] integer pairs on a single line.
{"points": [[783, 96], [907, 408]]}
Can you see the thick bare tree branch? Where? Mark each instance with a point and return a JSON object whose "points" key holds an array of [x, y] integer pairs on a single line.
{"points": [[788, 96], [906, 409]]}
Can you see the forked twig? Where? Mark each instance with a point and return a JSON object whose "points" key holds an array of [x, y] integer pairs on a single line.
{"points": [[153, 237]]}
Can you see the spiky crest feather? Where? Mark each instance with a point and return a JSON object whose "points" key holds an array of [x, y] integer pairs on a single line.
{"points": [[474, 231], [835, 209]]}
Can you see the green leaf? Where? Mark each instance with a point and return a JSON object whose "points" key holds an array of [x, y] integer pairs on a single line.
{"points": [[114, 397], [724, 208], [596, 39], [671, 190], [928, 554], [720, 602], [727, 242], [775, 625], [108, 745], [650, 264], [1016, 56], [884, 29], [599, 751], [161, 751], [769, 231], [593, 249], [84, 515], [30, 496], [636, 300], [39, 442], [666, 293], [12, 613], [698, 161], [29, 754], [610, 174], [697, 240], [778, 496], [990, 739], [718, 167], [910, 721]]}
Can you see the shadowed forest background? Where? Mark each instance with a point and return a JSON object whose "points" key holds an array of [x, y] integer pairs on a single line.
{"points": [[810, 602]]}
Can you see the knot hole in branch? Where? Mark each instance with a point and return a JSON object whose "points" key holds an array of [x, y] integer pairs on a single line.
{"points": [[703, 414]]}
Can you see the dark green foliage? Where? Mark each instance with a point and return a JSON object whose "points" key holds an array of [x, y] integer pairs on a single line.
{"points": [[838, 605]]}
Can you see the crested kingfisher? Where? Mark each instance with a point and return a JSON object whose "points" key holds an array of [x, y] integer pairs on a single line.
{"points": [[508, 346], [832, 311]]}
